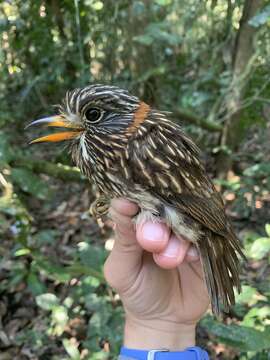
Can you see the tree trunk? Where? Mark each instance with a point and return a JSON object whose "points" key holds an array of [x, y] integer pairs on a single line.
{"points": [[242, 57]]}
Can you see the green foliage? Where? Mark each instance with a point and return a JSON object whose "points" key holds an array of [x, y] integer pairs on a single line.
{"points": [[47, 301], [30, 183], [261, 246], [177, 58], [242, 337]]}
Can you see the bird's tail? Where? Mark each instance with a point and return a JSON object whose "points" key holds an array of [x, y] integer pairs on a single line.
{"points": [[221, 268]]}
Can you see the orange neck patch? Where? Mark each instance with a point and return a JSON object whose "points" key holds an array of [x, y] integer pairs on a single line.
{"points": [[139, 116]]}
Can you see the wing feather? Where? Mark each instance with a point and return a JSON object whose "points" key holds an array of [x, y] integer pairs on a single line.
{"points": [[165, 155]]}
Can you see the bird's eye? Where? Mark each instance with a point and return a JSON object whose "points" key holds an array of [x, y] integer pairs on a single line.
{"points": [[93, 115]]}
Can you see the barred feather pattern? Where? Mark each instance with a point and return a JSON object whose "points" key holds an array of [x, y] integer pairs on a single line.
{"points": [[155, 164]]}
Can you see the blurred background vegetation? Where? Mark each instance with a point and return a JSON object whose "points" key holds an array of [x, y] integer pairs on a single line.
{"points": [[206, 61]]}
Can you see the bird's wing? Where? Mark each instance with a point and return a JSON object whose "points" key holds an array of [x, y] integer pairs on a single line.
{"points": [[166, 162]]}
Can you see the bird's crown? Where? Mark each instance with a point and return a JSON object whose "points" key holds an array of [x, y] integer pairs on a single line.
{"points": [[107, 97]]}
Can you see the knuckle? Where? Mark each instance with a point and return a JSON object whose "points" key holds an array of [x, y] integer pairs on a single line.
{"points": [[124, 231]]}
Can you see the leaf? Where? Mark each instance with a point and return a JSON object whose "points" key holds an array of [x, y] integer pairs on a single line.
{"points": [[240, 337], [267, 230], [59, 273], [59, 319], [98, 5], [257, 170], [34, 284], [78, 270], [22, 252], [30, 183], [256, 315], [71, 349], [100, 355], [261, 18], [247, 295], [260, 248], [92, 256], [46, 236], [47, 301], [163, 2]]}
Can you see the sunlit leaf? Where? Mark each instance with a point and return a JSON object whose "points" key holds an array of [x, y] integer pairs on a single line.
{"points": [[247, 295], [71, 349], [22, 252], [256, 315], [47, 301], [59, 319], [97, 5]]}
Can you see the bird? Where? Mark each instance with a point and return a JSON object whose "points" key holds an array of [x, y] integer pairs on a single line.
{"points": [[131, 150]]}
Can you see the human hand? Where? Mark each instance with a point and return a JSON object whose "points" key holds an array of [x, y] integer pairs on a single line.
{"points": [[162, 306]]}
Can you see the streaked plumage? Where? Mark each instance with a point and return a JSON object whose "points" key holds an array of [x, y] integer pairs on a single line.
{"points": [[136, 152]]}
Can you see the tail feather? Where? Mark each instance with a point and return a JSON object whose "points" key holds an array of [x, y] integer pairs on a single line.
{"points": [[221, 268]]}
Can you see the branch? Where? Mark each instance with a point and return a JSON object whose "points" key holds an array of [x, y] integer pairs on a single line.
{"points": [[191, 118], [60, 171]]}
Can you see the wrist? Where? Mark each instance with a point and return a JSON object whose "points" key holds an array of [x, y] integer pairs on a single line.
{"points": [[156, 334]]}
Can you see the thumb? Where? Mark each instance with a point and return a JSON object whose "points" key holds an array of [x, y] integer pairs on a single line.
{"points": [[122, 265]]}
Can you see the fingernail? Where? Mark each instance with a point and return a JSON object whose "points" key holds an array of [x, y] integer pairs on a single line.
{"points": [[193, 252], [153, 232], [173, 248]]}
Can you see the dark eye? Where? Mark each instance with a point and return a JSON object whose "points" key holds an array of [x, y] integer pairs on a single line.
{"points": [[93, 114]]}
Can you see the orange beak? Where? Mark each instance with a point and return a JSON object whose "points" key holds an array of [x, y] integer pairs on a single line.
{"points": [[57, 121]]}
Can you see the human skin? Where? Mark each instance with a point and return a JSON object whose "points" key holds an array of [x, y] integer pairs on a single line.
{"points": [[159, 279]]}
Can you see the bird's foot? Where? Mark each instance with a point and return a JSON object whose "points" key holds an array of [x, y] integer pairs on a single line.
{"points": [[100, 207]]}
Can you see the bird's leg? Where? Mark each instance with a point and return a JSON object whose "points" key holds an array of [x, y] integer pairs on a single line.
{"points": [[100, 206]]}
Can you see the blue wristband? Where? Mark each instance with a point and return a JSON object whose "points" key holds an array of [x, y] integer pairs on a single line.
{"points": [[191, 353]]}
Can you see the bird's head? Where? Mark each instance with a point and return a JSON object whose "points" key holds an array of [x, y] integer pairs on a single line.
{"points": [[96, 117]]}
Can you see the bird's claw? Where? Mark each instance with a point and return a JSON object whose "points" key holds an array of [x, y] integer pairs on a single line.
{"points": [[100, 207]]}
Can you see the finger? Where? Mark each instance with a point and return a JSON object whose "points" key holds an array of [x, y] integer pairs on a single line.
{"points": [[124, 207], [121, 213], [125, 258], [173, 254], [153, 237]]}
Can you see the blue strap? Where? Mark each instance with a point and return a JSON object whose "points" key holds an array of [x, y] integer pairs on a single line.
{"points": [[191, 353]]}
